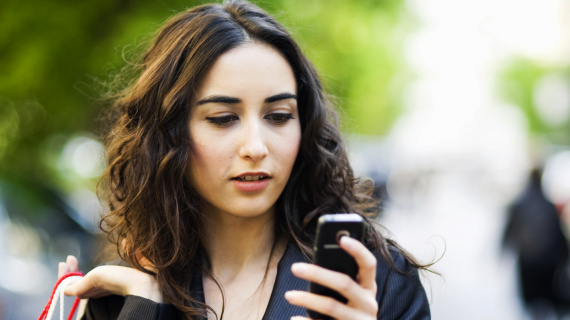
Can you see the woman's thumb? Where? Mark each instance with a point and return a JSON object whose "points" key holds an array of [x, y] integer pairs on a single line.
{"points": [[71, 289]]}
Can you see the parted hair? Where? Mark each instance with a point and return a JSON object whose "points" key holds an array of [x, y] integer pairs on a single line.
{"points": [[153, 210]]}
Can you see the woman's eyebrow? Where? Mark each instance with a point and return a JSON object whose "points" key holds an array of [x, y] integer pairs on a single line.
{"points": [[231, 100], [219, 99], [281, 96]]}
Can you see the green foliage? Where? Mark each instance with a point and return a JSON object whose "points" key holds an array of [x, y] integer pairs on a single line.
{"points": [[357, 47], [516, 85]]}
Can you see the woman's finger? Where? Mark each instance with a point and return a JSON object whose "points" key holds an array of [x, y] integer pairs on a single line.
{"points": [[62, 269], [365, 260], [101, 281], [72, 264], [324, 305], [106, 280], [357, 296], [79, 288], [84, 289]]}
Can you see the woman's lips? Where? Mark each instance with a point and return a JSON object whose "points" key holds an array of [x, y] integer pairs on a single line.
{"points": [[251, 186]]}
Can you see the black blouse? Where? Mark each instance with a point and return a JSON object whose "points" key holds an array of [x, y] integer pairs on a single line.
{"points": [[400, 295]]}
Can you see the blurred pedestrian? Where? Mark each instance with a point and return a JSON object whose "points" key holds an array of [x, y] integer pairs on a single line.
{"points": [[534, 231]]}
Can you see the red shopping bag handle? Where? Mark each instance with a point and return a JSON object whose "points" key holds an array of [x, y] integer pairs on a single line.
{"points": [[73, 308]]}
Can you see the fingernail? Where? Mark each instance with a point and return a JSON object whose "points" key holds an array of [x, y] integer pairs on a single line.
{"points": [[299, 267], [346, 241], [290, 295]]}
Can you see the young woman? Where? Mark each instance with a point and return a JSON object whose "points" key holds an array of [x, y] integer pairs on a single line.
{"points": [[224, 153]]}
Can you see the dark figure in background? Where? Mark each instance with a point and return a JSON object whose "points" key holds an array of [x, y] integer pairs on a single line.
{"points": [[534, 232]]}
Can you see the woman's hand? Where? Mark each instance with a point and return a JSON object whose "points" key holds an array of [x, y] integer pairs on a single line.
{"points": [[361, 294], [106, 280]]}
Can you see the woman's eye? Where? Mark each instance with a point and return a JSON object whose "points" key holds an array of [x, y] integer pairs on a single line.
{"points": [[222, 121], [279, 118]]}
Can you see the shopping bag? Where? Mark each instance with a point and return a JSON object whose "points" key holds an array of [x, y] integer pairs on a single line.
{"points": [[57, 293]]}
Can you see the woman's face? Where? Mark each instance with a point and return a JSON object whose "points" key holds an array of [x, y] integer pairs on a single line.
{"points": [[245, 131]]}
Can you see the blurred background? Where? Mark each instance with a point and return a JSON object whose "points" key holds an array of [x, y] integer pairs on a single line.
{"points": [[458, 110]]}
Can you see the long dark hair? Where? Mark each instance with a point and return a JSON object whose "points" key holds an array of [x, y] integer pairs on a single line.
{"points": [[154, 211]]}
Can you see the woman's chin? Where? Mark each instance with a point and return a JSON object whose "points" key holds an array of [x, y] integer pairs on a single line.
{"points": [[248, 211]]}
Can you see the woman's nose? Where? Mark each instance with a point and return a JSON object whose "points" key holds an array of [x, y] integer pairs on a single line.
{"points": [[253, 144]]}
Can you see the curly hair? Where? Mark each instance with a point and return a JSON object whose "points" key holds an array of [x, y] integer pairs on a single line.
{"points": [[154, 211]]}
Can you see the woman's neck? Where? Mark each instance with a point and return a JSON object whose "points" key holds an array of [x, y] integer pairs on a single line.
{"points": [[237, 243]]}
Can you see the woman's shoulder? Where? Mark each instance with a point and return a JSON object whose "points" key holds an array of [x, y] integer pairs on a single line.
{"points": [[400, 263], [400, 293]]}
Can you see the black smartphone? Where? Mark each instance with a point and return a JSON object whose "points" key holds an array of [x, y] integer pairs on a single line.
{"points": [[329, 254]]}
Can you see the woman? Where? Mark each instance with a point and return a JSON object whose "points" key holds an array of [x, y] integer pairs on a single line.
{"points": [[224, 154]]}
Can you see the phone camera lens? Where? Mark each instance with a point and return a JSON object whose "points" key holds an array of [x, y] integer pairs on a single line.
{"points": [[341, 234]]}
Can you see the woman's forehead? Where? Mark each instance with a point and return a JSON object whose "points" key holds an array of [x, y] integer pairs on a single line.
{"points": [[250, 71]]}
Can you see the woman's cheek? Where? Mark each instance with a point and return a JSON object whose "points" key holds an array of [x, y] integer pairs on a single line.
{"points": [[288, 152], [211, 154], [215, 156], [289, 146]]}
